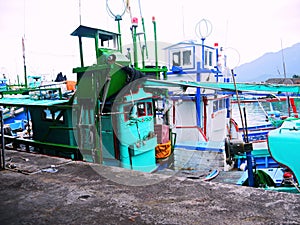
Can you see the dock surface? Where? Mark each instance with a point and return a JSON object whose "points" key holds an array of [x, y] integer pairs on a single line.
{"points": [[39, 189]]}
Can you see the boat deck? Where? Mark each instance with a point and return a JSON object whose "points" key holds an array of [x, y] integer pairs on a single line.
{"points": [[26, 101]]}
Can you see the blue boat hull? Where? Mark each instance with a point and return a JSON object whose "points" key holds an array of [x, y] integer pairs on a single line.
{"points": [[16, 120]]}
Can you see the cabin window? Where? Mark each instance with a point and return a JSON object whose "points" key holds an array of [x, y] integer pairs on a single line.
{"points": [[210, 59], [109, 43], [215, 106], [141, 109], [205, 58], [186, 57], [49, 115], [176, 58], [221, 104], [149, 109], [138, 110], [183, 57]]}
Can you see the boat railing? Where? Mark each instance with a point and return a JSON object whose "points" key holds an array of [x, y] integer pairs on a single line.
{"points": [[41, 92], [289, 128], [199, 130]]}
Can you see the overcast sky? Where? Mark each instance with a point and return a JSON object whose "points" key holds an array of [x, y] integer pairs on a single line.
{"points": [[250, 28]]}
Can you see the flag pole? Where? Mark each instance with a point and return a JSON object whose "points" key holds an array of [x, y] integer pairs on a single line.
{"points": [[24, 62]]}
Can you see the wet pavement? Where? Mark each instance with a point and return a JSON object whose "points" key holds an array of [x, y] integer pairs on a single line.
{"points": [[39, 189]]}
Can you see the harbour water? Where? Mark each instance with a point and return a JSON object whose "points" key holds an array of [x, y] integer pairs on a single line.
{"points": [[256, 112]]}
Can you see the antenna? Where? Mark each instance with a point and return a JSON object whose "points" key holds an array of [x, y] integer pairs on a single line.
{"points": [[203, 29], [283, 62], [118, 18], [24, 20], [226, 32], [23, 48], [79, 11], [183, 31], [284, 73]]}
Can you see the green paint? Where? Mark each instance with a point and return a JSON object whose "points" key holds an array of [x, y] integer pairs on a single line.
{"points": [[155, 43], [120, 37], [135, 56]]}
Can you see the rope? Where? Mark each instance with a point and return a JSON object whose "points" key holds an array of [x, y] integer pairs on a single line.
{"points": [[163, 150]]}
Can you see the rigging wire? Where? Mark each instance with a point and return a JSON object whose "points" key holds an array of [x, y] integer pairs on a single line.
{"points": [[260, 105]]}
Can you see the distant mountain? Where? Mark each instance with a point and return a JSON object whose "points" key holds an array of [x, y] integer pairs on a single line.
{"points": [[270, 66]]}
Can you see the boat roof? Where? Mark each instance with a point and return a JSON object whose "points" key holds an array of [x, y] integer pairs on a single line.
{"points": [[26, 101], [259, 87], [90, 32], [186, 43]]}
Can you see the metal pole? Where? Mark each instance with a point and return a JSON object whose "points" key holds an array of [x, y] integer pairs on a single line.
{"points": [[245, 132], [135, 56], [217, 62], [239, 103], [203, 52], [155, 42], [118, 18], [24, 63], [2, 141], [81, 52], [198, 96], [145, 40], [97, 48], [144, 30], [248, 156]]}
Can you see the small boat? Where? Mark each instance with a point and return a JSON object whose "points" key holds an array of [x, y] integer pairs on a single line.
{"points": [[109, 119], [212, 175]]}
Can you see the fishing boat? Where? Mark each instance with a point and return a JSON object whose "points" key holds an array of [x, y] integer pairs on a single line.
{"points": [[201, 136], [199, 116], [109, 119], [17, 117]]}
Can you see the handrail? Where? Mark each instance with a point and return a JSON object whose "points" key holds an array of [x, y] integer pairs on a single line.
{"points": [[198, 128]]}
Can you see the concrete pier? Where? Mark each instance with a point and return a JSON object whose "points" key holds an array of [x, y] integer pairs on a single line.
{"points": [[39, 189]]}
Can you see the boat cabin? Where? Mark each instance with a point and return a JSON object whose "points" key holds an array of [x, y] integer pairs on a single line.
{"points": [[105, 41]]}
